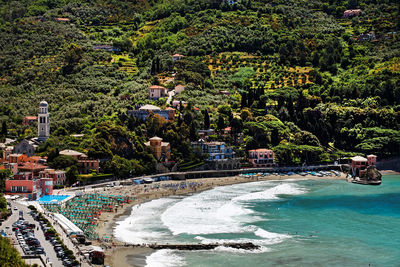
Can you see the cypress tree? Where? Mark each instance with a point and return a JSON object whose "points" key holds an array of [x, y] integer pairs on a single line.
{"points": [[206, 120], [243, 103]]}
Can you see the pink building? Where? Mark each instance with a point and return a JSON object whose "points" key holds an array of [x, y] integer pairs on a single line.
{"points": [[351, 13], [360, 164], [177, 57], [57, 176], [371, 160], [261, 157], [24, 185]]}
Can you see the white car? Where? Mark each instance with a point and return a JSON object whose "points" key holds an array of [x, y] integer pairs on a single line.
{"points": [[15, 208]]}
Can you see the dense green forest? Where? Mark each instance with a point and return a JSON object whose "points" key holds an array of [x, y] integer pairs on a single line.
{"points": [[302, 79]]}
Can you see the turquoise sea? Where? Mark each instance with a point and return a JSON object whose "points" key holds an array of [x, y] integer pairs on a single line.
{"points": [[296, 223]]}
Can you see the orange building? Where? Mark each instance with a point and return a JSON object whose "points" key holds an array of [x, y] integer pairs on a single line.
{"points": [[29, 120], [17, 158], [161, 150]]}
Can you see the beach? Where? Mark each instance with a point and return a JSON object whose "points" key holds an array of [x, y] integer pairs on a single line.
{"points": [[117, 255]]}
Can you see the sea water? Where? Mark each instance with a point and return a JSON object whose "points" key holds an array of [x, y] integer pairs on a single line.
{"points": [[295, 222]]}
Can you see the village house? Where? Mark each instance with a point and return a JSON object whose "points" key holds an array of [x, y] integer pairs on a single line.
{"points": [[204, 134], [156, 92], [13, 167], [33, 168], [29, 120], [85, 164], [213, 150], [25, 185], [261, 157], [225, 93], [176, 104], [360, 164], [177, 57], [179, 88], [17, 158], [161, 150], [218, 155], [62, 19], [144, 112], [108, 48], [367, 36], [57, 176], [351, 13]]}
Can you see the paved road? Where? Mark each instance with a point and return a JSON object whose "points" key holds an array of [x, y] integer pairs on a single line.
{"points": [[170, 95], [48, 248]]}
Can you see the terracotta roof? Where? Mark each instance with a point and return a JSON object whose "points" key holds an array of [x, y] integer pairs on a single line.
{"points": [[156, 138], [261, 150], [178, 55], [36, 157], [169, 108], [32, 166], [30, 118], [62, 19]]}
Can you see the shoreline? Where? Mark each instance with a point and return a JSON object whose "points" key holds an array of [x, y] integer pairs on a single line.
{"points": [[121, 256]]}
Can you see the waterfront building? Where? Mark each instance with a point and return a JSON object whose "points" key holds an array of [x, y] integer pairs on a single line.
{"points": [[25, 185], [57, 176], [360, 164], [261, 157], [213, 150]]}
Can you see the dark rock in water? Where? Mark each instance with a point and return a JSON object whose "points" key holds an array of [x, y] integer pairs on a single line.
{"points": [[372, 174], [371, 177]]}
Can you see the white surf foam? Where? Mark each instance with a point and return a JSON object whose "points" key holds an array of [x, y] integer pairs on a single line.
{"points": [[220, 210], [272, 193], [143, 225], [205, 213], [164, 258]]}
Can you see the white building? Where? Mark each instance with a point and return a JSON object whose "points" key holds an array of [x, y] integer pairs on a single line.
{"points": [[43, 121]]}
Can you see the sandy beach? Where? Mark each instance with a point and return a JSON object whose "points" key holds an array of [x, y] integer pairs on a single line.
{"points": [[135, 256]]}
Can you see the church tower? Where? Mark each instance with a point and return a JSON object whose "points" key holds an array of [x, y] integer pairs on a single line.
{"points": [[43, 121]]}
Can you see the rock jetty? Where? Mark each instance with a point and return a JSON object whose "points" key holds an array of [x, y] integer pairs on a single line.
{"points": [[245, 246]]}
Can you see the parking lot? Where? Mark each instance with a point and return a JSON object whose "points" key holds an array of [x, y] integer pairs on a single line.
{"points": [[28, 236]]}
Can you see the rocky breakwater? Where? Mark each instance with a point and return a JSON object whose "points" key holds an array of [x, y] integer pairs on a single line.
{"points": [[371, 177], [245, 246]]}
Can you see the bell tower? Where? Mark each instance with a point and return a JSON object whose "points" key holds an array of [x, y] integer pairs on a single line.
{"points": [[43, 121]]}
